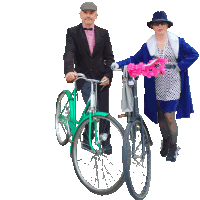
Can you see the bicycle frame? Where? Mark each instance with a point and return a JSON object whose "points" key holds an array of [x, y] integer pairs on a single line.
{"points": [[87, 113], [134, 115]]}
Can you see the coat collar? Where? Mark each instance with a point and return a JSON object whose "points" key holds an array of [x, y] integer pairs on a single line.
{"points": [[173, 39]]}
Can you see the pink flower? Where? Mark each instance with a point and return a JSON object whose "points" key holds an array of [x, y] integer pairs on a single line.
{"points": [[135, 70]]}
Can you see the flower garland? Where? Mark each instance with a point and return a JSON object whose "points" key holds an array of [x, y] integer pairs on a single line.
{"points": [[149, 71]]}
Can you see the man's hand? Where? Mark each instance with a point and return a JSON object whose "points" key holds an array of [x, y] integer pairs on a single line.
{"points": [[70, 77], [106, 83]]}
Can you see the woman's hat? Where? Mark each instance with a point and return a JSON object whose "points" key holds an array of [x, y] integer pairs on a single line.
{"points": [[160, 16]]}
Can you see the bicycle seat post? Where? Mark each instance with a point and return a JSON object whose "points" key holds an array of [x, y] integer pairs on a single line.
{"points": [[74, 108], [92, 96], [135, 107]]}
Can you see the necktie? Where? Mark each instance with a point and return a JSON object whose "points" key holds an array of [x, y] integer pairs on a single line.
{"points": [[87, 29]]}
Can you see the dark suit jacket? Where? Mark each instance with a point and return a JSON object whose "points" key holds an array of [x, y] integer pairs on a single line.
{"points": [[77, 52]]}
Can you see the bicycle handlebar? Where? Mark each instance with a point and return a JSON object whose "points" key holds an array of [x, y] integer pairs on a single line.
{"points": [[82, 76], [144, 65]]}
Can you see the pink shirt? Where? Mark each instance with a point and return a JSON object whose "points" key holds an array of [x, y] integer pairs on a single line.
{"points": [[90, 38]]}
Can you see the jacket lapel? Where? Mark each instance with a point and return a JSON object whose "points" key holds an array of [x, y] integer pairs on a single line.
{"points": [[84, 39], [173, 39]]}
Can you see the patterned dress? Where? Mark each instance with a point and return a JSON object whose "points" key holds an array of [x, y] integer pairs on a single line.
{"points": [[168, 86]]}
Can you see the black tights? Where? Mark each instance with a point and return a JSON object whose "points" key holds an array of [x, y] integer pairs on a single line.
{"points": [[167, 123]]}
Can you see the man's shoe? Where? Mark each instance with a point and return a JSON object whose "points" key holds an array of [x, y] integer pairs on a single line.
{"points": [[85, 145], [165, 147], [107, 149]]}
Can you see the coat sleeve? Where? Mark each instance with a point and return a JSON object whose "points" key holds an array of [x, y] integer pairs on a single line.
{"points": [[188, 54], [137, 58], [68, 56], [108, 56]]}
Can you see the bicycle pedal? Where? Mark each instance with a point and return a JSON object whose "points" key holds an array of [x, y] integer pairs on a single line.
{"points": [[122, 115]]}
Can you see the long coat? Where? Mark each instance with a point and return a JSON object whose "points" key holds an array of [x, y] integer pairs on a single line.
{"points": [[185, 55], [77, 52]]}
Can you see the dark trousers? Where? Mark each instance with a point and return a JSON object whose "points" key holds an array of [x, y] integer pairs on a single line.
{"points": [[167, 123], [102, 106]]}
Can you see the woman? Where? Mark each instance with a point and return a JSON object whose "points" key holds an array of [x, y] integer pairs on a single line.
{"points": [[166, 94]]}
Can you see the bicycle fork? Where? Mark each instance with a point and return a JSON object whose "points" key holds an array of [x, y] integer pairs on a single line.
{"points": [[90, 130], [92, 118], [137, 116], [133, 137], [102, 137]]}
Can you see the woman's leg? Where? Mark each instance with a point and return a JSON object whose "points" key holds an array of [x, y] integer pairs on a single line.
{"points": [[162, 122], [164, 131], [170, 118], [172, 126]]}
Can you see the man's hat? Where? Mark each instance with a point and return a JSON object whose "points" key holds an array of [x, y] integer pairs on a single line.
{"points": [[88, 6], [160, 16]]}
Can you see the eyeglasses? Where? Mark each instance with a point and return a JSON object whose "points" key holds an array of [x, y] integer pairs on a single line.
{"points": [[157, 23]]}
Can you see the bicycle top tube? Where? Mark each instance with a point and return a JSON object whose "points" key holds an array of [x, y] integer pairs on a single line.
{"points": [[82, 76]]}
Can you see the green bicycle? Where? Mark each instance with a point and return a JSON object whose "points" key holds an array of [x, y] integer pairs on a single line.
{"points": [[100, 173]]}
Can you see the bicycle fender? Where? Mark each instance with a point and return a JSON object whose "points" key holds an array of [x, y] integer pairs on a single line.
{"points": [[69, 94], [104, 114]]}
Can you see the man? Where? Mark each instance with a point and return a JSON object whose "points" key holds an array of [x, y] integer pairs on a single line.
{"points": [[89, 48]]}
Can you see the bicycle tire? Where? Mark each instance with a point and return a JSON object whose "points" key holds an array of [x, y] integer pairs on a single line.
{"points": [[126, 152], [91, 188], [58, 121]]}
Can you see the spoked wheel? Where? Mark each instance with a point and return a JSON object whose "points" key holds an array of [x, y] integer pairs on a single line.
{"points": [[137, 170], [62, 117], [99, 172]]}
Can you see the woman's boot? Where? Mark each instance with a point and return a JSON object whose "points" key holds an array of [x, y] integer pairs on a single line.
{"points": [[165, 147], [172, 153]]}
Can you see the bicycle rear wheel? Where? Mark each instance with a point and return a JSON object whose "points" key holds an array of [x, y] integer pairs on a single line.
{"points": [[100, 173], [137, 182], [62, 118]]}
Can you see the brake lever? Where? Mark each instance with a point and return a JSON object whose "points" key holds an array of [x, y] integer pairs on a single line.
{"points": [[103, 85]]}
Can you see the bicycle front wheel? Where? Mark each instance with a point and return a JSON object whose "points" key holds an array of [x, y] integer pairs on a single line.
{"points": [[99, 172], [137, 169]]}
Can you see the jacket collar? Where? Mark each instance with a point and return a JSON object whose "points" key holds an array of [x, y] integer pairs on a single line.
{"points": [[173, 39]]}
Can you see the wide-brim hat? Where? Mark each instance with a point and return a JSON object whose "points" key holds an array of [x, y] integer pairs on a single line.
{"points": [[88, 6], [160, 16]]}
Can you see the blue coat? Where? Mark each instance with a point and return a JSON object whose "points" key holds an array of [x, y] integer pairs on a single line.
{"points": [[186, 56]]}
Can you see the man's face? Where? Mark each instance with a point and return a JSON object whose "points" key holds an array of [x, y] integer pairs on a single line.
{"points": [[88, 17]]}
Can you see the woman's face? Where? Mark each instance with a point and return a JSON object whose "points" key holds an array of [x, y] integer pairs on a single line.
{"points": [[159, 28]]}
